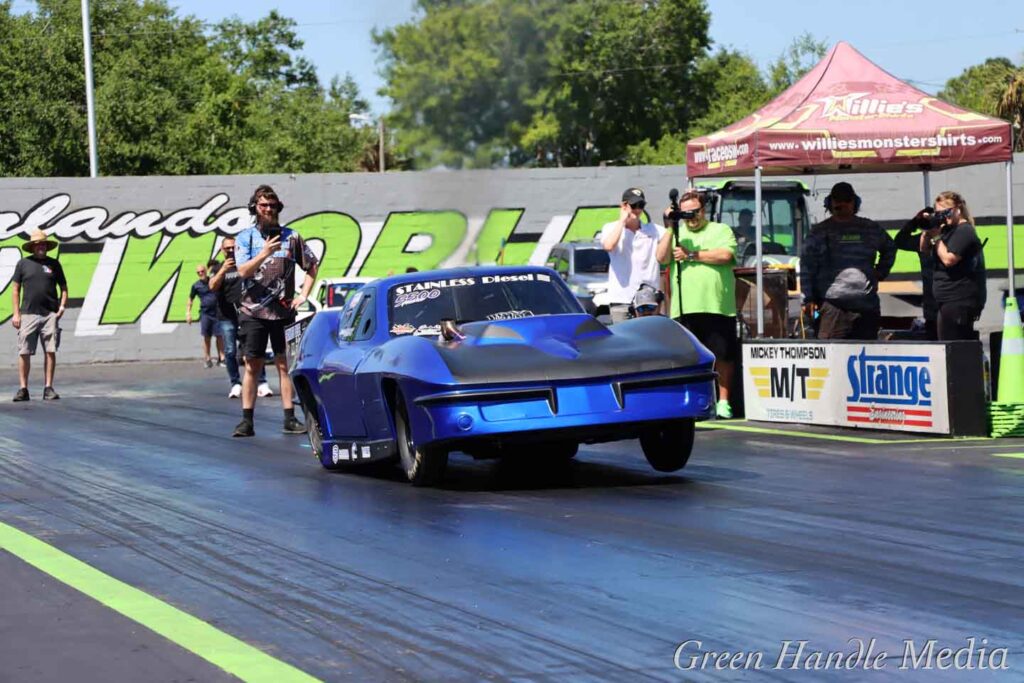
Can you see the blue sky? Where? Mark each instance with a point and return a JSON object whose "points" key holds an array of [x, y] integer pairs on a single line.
{"points": [[926, 41]]}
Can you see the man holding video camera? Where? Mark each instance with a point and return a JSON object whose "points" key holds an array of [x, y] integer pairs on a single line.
{"points": [[703, 286]]}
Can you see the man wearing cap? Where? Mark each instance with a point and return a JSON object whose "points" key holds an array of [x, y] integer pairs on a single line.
{"points": [[842, 261], [36, 314], [701, 254], [631, 245], [646, 302]]}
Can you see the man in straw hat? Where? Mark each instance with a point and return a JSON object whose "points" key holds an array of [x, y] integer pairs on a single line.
{"points": [[38, 312]]}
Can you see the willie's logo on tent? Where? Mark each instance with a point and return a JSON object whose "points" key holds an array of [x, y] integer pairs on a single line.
{"points": [[855, 106]]}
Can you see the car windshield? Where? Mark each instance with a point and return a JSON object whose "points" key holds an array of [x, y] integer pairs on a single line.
{"points": [[591, 261], [418, 308], [338, 293]]}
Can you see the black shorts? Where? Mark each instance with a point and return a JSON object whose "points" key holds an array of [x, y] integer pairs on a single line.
{"points": [[253, 335], [717, 332]]}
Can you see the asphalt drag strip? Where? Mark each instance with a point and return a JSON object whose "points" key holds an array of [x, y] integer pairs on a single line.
{"points": [[599, 569]]}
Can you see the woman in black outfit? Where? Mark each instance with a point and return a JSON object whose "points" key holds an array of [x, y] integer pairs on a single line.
{"points": [[959, 282]]}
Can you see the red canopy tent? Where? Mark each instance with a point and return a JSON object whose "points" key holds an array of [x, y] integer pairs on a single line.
{"points": [[847, 115]]}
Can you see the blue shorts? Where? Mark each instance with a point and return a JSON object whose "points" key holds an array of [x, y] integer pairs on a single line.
{"points": [[209, 325]]}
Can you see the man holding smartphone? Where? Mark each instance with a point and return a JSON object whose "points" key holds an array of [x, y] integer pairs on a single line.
{"points": [[631, 244], [266, 256]]}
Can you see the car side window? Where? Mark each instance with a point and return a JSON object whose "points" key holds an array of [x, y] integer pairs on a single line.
{"points": [[346, 328], [363, 322]]}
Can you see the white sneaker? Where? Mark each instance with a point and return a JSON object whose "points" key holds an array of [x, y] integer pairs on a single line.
{"points": [[264, 390], [236, 391]]}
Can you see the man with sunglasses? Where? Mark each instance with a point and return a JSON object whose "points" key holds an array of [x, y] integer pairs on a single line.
{"points": [[631, 244], [842, 261], [267, 255], [701, 255]]}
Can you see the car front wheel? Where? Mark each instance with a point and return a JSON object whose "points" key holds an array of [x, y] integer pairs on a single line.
{"points": [[315, 434], [668, 446], [423, 465]]}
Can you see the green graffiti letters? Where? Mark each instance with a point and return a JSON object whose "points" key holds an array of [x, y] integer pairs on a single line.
{"points": [[340, 235], [145, 270], [394, 252]]}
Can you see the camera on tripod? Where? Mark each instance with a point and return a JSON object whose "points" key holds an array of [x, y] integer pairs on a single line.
{"points": [[674, 213]]}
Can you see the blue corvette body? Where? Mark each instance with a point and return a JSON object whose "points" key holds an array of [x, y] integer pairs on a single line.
{"points": [[525, 367]]}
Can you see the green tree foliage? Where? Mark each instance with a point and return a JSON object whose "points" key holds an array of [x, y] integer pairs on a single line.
{"points": [[463, 77], [797, 59], [728, 87], [549, 83], [980, 87], [1011, 108], [483, 82], [172, 96]]}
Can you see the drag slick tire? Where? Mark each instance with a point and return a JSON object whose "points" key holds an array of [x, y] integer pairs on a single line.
{"points": [[668, 446], [316, 437], [423, 466]]}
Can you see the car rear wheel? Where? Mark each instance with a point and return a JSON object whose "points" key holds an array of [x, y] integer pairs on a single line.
{"points": [[668, 446], [423, 465]]}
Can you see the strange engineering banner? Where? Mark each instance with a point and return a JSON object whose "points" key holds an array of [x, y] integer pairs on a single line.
{"points": [[895, 386]]}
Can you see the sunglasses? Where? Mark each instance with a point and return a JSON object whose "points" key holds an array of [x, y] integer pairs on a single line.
{"points": [[638, 205], [263, 205]]}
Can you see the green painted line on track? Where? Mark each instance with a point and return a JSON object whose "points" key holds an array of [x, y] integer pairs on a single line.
{"points": [[195, 635], [835, 437], [1019, 456]]}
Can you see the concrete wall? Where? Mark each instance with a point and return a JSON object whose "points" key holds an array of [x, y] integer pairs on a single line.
{"points": [[130, 245]]}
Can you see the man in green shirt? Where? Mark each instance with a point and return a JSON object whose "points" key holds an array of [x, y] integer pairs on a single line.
{"points": [[703, 287]]}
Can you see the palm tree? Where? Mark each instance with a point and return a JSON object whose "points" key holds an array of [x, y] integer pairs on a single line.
{"points": [[1011, 107]]}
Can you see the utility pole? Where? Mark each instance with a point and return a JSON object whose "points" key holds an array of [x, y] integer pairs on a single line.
{"points": [[380, 130], [90, 104]]}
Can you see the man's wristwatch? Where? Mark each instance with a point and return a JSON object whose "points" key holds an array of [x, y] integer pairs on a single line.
{"points": [[692, 256]]}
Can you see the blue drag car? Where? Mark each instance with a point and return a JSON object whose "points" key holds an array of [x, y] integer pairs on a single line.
{"points": [[493, 362]]}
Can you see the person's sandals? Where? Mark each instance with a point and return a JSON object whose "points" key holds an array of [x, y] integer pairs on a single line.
{"points": [[49, 394], [22, 395]]}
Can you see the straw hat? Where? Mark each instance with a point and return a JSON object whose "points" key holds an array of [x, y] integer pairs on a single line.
{"points": [[35, 238]]}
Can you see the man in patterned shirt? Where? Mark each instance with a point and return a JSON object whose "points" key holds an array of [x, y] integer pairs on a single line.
{"points": [[267, 254]]}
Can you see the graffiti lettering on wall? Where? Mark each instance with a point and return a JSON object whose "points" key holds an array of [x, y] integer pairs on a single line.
{"points": [[137, 268]]}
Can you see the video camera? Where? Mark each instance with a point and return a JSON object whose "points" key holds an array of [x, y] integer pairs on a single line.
{"points": [[675, 213], [928, 218]]}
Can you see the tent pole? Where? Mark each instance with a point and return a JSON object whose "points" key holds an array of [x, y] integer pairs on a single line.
{"points": [[759, 231], [1012, 288], [927, 187]]}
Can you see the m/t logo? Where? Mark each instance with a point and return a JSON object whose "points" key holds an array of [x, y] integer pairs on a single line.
{"points": [[790, 383]]}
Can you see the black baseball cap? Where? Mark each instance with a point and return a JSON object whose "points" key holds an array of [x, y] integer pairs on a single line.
{"points": [[634, 196]]}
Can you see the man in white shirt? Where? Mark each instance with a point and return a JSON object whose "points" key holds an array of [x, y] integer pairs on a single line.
{"points": [[631, 246]]}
